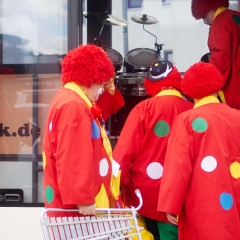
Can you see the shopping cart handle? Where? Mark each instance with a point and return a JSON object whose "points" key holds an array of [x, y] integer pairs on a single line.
{"points": [[138, 193]]}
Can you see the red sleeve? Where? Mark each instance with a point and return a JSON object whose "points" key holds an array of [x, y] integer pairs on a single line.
{"points": [[177, 170], [74, 155], [220, 42], [110, 104], [129, 143]]}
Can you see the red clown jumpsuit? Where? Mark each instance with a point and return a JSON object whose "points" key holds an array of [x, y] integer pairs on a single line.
{"points": [[76, 165], [141, 148], [224, 45], [201, 178]]}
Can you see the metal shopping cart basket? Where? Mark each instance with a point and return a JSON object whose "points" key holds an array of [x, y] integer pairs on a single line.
{"points": [[109, 223]]}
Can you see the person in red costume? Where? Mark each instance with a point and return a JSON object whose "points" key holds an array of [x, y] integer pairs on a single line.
{"points": [[223, 43], [140, 150], [77, 154], [201, 177]]}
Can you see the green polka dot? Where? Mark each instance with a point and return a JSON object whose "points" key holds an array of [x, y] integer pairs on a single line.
{"points": [[199, 125], [49, 194], [161, 128], [236, 19]]}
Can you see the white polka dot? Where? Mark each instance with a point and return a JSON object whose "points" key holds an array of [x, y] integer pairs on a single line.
{"points": [[154, 170], [103, 167], [209, 164], [50, 126]]}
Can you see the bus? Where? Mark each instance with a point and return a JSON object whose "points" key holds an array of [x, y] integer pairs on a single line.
{"points": [[34, 38]]}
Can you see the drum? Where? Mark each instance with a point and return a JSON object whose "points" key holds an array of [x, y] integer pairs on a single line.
{"points": [[131, 84], [140, 59], [115, 57], [133, 89]]}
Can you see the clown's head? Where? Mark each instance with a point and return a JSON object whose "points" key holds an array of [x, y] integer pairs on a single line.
{"points": [[87, 65], [202, 79], [200, 8], [162, 75]]}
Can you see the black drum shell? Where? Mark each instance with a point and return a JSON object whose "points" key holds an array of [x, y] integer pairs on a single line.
{"points": [[115, 57], [140, 59], [132, 89]]}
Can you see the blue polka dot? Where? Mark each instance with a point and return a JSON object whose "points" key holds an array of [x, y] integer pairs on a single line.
{"points": [[158, 70], [95, 130], [226, 201]]}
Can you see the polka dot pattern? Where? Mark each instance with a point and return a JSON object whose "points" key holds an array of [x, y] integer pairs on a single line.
{"points": [[199, 125], [95, 130], [226, 201], [235, 170], [161, 128], [49, 194], [209, 164], [103, 167], [154, 170]]}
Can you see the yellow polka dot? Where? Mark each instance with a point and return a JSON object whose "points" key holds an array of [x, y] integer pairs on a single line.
{"points": [[156, 64], [101, 200], [44, 160], [235, 170]]}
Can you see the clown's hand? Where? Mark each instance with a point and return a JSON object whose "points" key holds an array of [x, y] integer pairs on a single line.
{"points": [[173, 218], [88, 209], [110, 87]]}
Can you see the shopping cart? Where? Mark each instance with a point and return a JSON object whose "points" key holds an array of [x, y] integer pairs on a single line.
{"points": [[109, 223]]}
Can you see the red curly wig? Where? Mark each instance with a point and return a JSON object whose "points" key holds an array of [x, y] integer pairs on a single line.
{"points": [[87, 64], [202, 79], [200, 8], [172, 80]]}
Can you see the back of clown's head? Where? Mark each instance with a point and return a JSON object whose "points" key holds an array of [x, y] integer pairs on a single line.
{"points": [[200, 8], [86, 65], [201, 80], [162, 75]]}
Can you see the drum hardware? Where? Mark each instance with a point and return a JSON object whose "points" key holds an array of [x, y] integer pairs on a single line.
{"points": [[131, 84], [130, 78], [104, 19], [133, 90], [107, 19], [140, 59], [115, 57], [205, 58], [145, 19]]}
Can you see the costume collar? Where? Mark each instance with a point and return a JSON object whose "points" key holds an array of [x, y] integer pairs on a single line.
{"points": [[205, 100], [170, 92], [74, 87], [106, 143], [219, 10]]}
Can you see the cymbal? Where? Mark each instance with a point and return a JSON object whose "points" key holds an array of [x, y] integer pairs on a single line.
{"points": [[144, 19], [105, 18]]}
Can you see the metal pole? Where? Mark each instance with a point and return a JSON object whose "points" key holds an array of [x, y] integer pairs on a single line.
{"points": [[125, 28]]}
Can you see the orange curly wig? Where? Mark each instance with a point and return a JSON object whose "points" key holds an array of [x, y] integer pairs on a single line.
{"points": [[201, 79], [172, 80], [87, 64], [200, 8]]}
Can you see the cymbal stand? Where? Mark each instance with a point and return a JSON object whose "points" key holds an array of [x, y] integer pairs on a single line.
{"points": [[97, 41], [158, 46]]}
